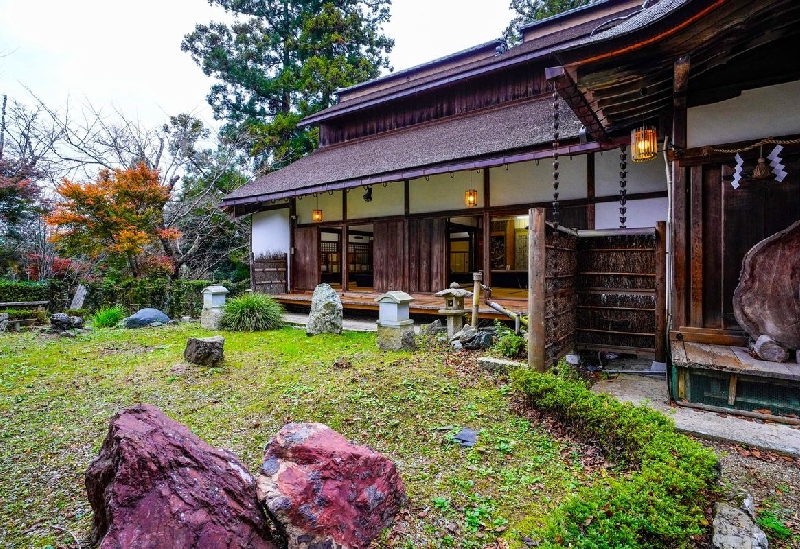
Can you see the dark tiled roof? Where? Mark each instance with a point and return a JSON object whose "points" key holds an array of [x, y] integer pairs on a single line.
{"points": [[539, 47], [514, 127], [642, 19]]}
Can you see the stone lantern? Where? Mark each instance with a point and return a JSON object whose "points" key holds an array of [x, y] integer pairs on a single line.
{"points": [[213, 305], [395, 328], [454, 307]]}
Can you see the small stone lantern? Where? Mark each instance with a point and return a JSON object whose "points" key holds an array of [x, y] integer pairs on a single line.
{"points": [[454, 307], [213, 305], [395, 328]]}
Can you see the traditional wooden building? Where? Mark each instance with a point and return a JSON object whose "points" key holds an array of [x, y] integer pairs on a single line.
{"points": [[427, 174], [720, 80]]}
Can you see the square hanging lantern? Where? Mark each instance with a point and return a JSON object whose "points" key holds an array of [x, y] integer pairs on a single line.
{"points": [[316, 216], [644, 144], [471, 198]]}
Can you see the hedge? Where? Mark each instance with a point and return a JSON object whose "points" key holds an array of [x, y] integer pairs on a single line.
{"points": [[658, 502], [24, 291], [176, 298]]}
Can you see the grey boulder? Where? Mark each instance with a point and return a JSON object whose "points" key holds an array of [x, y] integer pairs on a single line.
{"points": [[326, 312], [146, 317]]}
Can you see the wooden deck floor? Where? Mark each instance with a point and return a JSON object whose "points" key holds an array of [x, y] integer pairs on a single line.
{"points": [[731, 359], [424, 303]]}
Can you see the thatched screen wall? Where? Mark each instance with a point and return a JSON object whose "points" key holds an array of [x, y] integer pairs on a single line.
{"points": [[620, 291], [268, 273], [595, 290]]}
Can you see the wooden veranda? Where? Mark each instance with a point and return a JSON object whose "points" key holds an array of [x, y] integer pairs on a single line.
{"points": [[423, 304]]}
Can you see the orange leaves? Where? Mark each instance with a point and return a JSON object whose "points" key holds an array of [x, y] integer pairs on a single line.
{"points": [[118, 214]]}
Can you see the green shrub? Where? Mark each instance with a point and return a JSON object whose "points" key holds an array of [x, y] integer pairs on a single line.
{"points": [[509, 344], [38, 314], [24, 291], [772, 525], [659, 500], [108, 317], [252, 312]]}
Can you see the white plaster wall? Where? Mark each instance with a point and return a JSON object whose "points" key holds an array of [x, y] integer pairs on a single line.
{"points": [[526, 183], [271, 231], [330, 204], [643, 177], [755, 114], [388, 200], [640, 213], [442, 192]]}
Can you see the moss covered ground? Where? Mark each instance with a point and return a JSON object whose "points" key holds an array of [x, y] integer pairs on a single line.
{"points": [[57, 395]]}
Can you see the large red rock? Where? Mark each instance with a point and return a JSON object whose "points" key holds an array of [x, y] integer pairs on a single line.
{"points": [[767, 299], [324, 492], [155, 485]]}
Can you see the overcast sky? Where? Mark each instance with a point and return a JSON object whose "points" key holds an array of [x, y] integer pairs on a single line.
{"points": [[126, 55]]}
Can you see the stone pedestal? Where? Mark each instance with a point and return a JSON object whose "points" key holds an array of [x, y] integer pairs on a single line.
{"points": [[397, 337], [209, 318], [455, 320]]}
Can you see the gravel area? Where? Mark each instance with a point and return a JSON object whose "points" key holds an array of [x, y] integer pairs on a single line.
{"points": [[773, 481]]}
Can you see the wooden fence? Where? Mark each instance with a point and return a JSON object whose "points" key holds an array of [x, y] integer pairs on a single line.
{"points": [[595, 290], [269, 274]]}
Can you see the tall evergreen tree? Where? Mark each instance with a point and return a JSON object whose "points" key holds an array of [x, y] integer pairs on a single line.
{"points": [[281, 60]]}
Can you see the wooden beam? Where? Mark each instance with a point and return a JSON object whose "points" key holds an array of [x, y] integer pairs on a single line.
{"points": [[292, 229], [568, 89], [406, 197], [679, 280], [696, 246], [343, 242], [487, 241], [661, 292], [536, 289], [590, 190]]}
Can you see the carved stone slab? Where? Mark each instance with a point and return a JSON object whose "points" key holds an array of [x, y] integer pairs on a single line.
{"points": [[767, 299]]}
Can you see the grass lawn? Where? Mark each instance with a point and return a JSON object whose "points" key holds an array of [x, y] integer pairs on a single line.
{"points": [[57, 395]]}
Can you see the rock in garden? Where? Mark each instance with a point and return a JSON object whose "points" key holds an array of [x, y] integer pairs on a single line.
{"points": [[205, 351], [326, 312], [3, 322], [155, 485], [325, 492], [435, 327], [482, 340], [146, 317], [735, 529], [61, 322]]}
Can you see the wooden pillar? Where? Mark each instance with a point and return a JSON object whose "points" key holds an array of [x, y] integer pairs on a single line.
{"points": [[590, 190], [661, 292], [487, 229], [290, 258], [536, 289], [680, 279], [343, 241], [406, 282], [696, 246]]}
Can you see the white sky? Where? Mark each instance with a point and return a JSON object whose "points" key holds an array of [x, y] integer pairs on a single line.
{"points": [[126, 55]]}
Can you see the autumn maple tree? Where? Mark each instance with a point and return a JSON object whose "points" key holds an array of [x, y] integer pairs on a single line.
{"points": [[118, 219]]}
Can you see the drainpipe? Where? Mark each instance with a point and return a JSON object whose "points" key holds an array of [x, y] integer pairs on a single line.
{"points": [[670, 192]]}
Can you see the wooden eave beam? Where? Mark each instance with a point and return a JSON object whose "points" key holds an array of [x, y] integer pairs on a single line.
{"points": [[568, 90]]}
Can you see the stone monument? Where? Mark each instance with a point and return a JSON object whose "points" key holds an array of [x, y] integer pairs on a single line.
{"points": [[213, 306]]}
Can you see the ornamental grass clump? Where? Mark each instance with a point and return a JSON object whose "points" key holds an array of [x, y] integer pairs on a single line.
{"points": [[108, 317], [252, 312]]}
